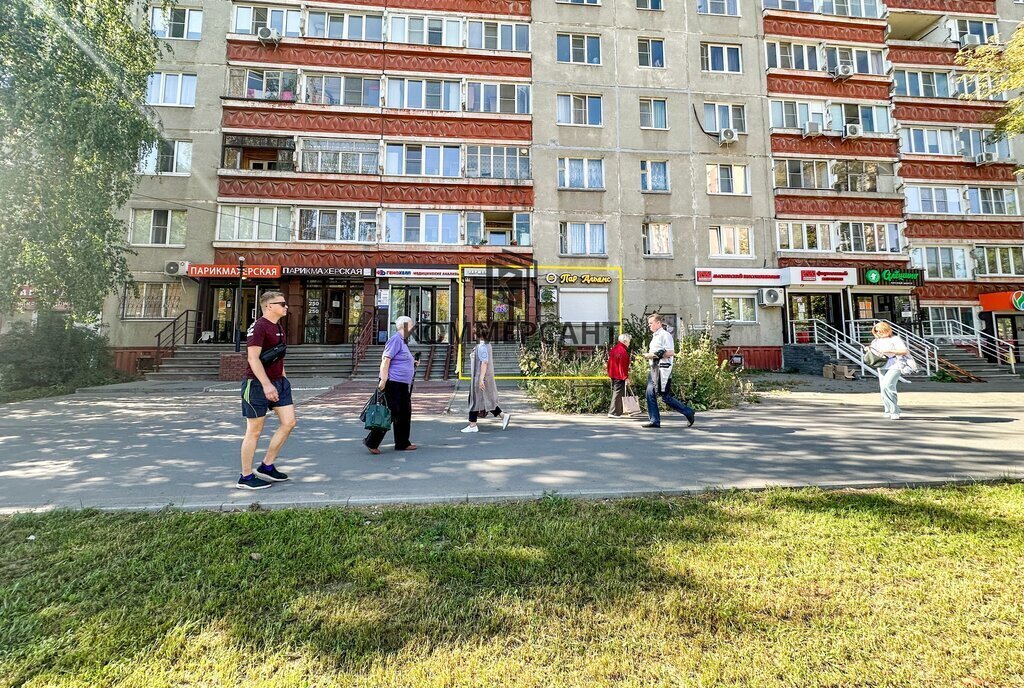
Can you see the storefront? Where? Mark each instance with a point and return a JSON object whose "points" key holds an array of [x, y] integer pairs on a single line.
{"points": [[1002, 313], [816, 294], [219, 293], [333, 301], [424, 294], [886, 293]]}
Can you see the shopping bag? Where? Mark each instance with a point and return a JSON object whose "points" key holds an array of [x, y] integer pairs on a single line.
{"points": [[376, 415], [630, 403], [874, 359]]}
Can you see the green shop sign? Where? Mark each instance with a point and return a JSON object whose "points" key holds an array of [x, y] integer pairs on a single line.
{"points": [[890, 277]]}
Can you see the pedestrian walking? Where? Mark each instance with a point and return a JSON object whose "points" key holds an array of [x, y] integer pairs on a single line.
{"points": [[265, 388], [397, 371], [618, 373], [659, 381], [483, 391], [892, 346]]}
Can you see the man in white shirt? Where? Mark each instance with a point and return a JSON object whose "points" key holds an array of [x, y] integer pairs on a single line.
{"points": [[659, 380]]}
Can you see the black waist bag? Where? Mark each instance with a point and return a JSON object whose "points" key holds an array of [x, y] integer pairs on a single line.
{"points": [[274, 353]]}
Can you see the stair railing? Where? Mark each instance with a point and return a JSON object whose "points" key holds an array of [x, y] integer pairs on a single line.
{"points": [[987, 345], [430, 363], [362, 341], [183, 329], [448, 355], [923, 351]]}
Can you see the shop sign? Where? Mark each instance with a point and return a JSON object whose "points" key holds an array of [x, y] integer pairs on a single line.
{"points": [[292, 270], [755, 277], [890, 277], [251, 271], [1002, 301], [383, 298], [434, 273], [572, 278], [819, 275]]}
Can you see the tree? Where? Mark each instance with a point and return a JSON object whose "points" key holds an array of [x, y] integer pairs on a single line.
{"points": [[1000, 69], [73, 130]]}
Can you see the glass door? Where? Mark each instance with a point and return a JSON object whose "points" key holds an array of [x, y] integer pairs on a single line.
{"points": [[1010, 328], [336, 310]]}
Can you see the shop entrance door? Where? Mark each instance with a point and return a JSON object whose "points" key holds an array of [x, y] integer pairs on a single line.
{"points": [[804, 309], [337, 309], [429, 307], [1010, 328], [501, 310]]}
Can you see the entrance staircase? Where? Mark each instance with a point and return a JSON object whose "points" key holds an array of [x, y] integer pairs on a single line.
{"points": [[505, 355]]}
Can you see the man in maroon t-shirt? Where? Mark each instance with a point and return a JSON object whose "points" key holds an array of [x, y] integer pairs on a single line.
{"points": [[265, 387]]}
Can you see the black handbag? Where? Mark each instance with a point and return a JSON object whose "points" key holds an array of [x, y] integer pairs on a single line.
{"points": [[276, 352]]}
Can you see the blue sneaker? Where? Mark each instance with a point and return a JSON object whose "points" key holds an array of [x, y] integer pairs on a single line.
{"points": [[251, 483], [271, 473]]}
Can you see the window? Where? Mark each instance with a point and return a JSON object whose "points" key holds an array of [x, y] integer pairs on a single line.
{"points": [[422, 228], [332, 225], [351, 27], [938, 315], [506, 98], [580, 2], [868, 237], [972, 85], [718, 116], [498, 162], [991, 201], [720, 58], [651, 52], [734, 308], [580, 173], [793, 114], [174, 22], [579, 109], [984, 30], [728, 179], [263, 84], [941, 262], [922, 84], [787, 55], [1000, 260], [344, 156], [730, 242], [934, 199], [863, 60], [578, 49], [155, 300], [653, 175], [801, 174], [872, 118], [491, 35], [657, 239], [425, 30], [862, 176], [250, 20], [422, 160], [343, 90], [843, 8], [729, 8], [168, 157], [158, 227], [978, 141], [171, 88], [254, 223], [649, 5], [924, 141], [653, 113], [804, 236], [581, 238], [428, 94]]}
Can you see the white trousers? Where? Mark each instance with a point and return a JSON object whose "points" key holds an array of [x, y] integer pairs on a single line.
{"points": [[887, 384]]}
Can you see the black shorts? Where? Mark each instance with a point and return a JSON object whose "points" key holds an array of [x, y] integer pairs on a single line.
{"points": [[255, 404]]}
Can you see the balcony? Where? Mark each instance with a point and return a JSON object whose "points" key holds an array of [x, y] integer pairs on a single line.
{"points": [[859, 9], [266, 153], [847, 177], [263, 84]]}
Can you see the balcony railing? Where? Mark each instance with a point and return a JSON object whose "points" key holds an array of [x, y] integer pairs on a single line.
{"points": [[868, 9]]}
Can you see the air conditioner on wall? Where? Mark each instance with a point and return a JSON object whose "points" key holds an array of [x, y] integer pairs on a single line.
{"points": [[176, 267], [985, 158], [268, 36], [812, 129], [853, 131], [843, 72], [969, 39], [769, 297], [727, 136]]}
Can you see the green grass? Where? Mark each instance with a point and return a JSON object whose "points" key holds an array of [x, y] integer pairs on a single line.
{"points": [[780, 588], [29, 393]]}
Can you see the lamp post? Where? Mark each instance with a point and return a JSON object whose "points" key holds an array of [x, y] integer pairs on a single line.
{"points": [[238, 305]]}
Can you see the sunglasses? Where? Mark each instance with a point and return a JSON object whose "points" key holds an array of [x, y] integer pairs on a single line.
{"points": [[278, 303]]}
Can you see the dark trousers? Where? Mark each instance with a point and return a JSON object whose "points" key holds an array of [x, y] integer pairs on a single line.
{"points": [[618, 391], [474, 414], [398, 396], [652, 401]]}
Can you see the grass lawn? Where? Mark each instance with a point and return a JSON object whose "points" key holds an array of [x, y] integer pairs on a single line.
{"points": [[781, 588]]}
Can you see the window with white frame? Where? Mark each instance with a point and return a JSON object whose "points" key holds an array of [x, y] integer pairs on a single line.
{"points": [[871, 118], [787, 55], [434, 94], [356, 91], [938, 200], [804, 236], [794, 114], [655, 5], [984, 200], [863, 60], [728, 179], [922, 84], [801, 174], [727, 241], [581, 239], [250, 19], [421, 228], [651, 52], [579, 2], [718, 116], [422, 160], [168, 157], [868, 237], [264, 84], [843, 8], [331, 225], [512, 99], [940, 262], [580, 173], [971, 86], [654, 175], [154, 301], [171, 88], [985, 30], [425, 30], [350, 26], [340, 156], [863, 176], [254, 223], [176, 22], [729, 8], [498, 162], [157, 227], [578, 48], [734, 308], [978, 141], [657, 239], [494, 35], [928, 141], [938, 315], [577, 109], [653, 113], [716, 57], [499, 234], [1000, 260]]}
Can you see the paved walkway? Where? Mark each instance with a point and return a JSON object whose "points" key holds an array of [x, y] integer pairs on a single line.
{"points": [[149, 447]]}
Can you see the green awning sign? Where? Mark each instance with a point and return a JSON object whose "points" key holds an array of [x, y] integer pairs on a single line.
{"points": [[891, 277]]}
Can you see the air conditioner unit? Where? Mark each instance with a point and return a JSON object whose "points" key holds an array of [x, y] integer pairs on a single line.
{"points": [[267, 35], [843, 72], [812, 129], [969, 39], [985, 159], [726, 136], [853, 131], [769, 297], [176, 267]]}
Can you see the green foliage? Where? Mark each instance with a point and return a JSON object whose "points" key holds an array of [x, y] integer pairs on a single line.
{"points": [[943, 376], [73, 128], [571, 395], [1004, 65]]}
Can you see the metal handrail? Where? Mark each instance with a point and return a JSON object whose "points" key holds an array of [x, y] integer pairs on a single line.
{"points": [[362, 341], [448, 361], [167, 342], [919, 347], [430, 363], [821, 333], [987, 345]]}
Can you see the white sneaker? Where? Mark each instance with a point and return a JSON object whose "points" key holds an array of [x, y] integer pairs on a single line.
{"points": [[505, 421], [470, 428], [895, 416], [612, 415]]}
